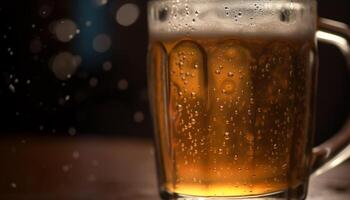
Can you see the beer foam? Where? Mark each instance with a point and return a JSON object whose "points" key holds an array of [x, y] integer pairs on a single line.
{"points": [[212, 18]]}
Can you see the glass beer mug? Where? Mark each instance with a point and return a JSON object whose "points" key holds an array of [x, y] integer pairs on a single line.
{"points": [[232, 88]]}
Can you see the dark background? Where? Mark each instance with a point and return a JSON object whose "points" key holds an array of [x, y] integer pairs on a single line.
{"points": [[110, 99]]}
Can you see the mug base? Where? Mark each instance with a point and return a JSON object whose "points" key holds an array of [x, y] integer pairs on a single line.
{"points": [[297, 193]]}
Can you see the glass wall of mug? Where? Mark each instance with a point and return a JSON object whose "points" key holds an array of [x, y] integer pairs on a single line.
{"points": [[232, 93]]}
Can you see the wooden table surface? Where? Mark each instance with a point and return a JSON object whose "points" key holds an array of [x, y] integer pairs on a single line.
{"points": [[78, 168]]}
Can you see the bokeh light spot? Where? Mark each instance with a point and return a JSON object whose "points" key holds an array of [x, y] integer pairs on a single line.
{"points": [[123, 84], [127, 14], [93, 82], [35, 46], [101, 2], [64, 65], [107, 66], [139, 117], [102, 43], [64, 30]]}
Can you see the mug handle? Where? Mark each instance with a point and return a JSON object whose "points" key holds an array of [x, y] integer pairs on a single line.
{"points": [[337, 149]]}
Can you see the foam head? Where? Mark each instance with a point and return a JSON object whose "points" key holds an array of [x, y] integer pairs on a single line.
{"points": [[210, 18]]}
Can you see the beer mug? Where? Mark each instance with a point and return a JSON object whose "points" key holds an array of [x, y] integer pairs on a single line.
{"points": [[232, 88]]}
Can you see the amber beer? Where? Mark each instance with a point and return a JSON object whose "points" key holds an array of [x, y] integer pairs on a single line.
{"points": [[232, 112]]}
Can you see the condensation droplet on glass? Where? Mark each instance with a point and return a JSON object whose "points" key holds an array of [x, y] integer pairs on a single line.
{"points": [[179, 106]]}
